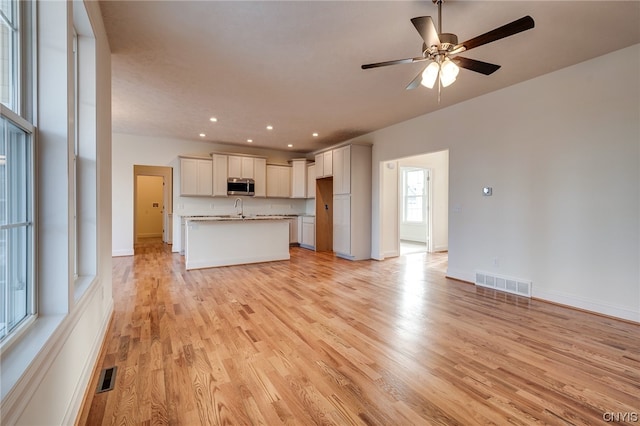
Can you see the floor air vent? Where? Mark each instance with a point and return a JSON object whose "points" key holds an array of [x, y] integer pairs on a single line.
{"points": [[502, 283], [107, 380]]}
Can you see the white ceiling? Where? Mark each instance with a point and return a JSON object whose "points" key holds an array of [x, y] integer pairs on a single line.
{"points": [[296, 64]]}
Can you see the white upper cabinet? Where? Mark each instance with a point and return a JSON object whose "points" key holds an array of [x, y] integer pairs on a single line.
{"points": [[278, 181], [311, 181], [260, 176], [324, 164], [328, 163], [248, 167], [219, 175], [195, 177], [342, 170], [241, 167], [299, 178]]}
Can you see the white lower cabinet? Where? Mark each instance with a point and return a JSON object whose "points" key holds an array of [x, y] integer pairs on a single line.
{"points": [[294, 238], [308, 239], [342, 225]]}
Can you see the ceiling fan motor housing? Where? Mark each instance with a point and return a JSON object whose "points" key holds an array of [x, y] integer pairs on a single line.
{"points": [[447, 44], [447, 41]]}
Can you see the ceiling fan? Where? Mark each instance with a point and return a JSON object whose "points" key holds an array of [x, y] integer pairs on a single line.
{"points": [[442, 50]]}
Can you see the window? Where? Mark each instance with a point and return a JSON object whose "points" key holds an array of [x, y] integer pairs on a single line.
{"points": [[17, 293], [9, 48], [414, 191], [82, 151], [16, 226]]}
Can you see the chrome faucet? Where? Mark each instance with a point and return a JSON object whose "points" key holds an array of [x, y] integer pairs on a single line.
{"points": [[235, 206]]}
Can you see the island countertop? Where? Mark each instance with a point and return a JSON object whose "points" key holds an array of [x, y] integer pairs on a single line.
{"points": [[238, 217], [212, 241]]}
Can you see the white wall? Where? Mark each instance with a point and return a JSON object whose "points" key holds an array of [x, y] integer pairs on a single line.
{"points": [[562, 153], [130, 150], [66, 338]]}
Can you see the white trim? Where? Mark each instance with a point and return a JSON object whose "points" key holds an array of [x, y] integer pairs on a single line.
{"points": [[29, 361], [587, 305], [73, 410], [568, 300], [151, 235], [122, 252], [31, 356], [390, 253], [461, 275]]}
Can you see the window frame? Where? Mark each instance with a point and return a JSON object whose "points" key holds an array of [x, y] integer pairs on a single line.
{"points": [[31, 290], [405, 196], [20, 114]]}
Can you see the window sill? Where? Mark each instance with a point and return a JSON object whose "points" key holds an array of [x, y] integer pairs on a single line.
{"points": [[82, 283]]}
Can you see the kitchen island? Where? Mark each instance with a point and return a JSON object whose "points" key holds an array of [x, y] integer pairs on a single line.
{"points": [[212, 241]]}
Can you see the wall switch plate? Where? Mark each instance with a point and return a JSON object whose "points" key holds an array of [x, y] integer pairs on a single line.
{"points": [[487, 191]]}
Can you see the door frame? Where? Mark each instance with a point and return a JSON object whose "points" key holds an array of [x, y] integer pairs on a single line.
{"points": [[166, 173]]}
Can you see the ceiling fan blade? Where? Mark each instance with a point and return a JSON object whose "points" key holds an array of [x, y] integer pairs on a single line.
{"points": [[416, 81], [474, 65], [397, 61], [515, 27], [428, 32]]}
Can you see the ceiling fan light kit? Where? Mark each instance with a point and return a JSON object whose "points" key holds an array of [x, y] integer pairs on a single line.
{"points": [[442, 50]]}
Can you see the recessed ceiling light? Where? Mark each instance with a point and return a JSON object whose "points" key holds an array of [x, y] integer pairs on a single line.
{"points": [[269, 127], [249, 140], [202, 135], [315, 135], [213, 119], [290, 145]]}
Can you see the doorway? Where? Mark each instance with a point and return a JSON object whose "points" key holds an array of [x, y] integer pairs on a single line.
{"points": [[153, 203], [415, 213], [150, 206], [436, 204]]}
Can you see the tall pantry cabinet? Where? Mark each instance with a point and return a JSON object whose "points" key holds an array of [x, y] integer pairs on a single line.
{"points": [[352, 202]]}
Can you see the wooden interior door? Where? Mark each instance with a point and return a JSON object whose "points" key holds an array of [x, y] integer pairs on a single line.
{"points": [[324, 214]]}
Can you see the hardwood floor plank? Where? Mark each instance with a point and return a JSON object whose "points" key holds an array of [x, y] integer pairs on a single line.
{"points": [[321, 340]]}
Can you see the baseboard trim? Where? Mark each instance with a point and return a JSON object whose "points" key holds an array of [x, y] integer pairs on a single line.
{"points": [[152, 235], [80, 397], [122, 252], [581, 304], [565, 300], [468, 277]]}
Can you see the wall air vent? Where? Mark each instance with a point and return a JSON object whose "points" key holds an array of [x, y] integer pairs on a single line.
{"points": [[502, 283]]}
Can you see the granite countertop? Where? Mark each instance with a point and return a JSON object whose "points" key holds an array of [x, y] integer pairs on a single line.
{"points": [[238, 217]]}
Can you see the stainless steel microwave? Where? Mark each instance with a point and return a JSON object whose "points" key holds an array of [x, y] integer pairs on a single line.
{"points": [[241, 186]]}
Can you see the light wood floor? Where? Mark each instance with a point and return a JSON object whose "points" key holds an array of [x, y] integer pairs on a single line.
{"points": [[320, 340]]}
